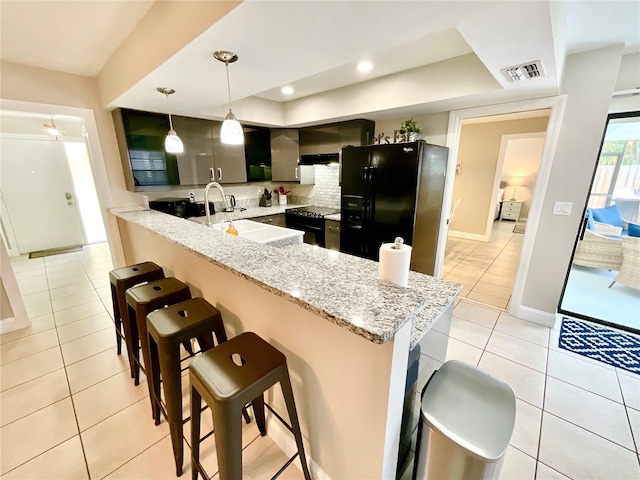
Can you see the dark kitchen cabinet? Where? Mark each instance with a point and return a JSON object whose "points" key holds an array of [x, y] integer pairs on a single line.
{"points": [[285, 155], [146, 163], [141, 143], [257, 151], [332, 235], [278, 220], [197, 160], [331, 138]]}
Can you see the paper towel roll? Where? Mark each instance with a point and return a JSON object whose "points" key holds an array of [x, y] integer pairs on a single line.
{"points": [[395, 259]]}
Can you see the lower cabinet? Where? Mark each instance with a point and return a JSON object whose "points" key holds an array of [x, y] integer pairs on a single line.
{"points": [[277, 220], [332, 235]]}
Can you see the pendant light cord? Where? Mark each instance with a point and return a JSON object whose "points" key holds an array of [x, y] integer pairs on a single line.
{"points": [[228, 84], [169, 110]]}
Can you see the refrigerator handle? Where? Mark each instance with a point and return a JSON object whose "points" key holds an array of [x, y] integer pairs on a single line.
{"points": [[365, 198], [371, 194]]}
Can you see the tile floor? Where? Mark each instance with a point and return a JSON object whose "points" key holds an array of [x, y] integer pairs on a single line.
{"points": [[576, 418], [70, 410], [486, 269]]}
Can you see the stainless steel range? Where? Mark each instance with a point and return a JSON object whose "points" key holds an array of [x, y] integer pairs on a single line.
{"points": [[311, 221]]}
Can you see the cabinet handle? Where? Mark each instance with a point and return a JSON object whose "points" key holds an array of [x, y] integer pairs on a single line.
{"points": [[219, 174], [296, 173], [268, 220], [212, 175]]}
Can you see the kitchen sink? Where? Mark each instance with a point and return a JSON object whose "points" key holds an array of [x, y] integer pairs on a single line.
{"points": [[263, 233]]}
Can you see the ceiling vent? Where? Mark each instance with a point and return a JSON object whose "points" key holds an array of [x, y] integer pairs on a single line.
{"points": [[526, 71]]}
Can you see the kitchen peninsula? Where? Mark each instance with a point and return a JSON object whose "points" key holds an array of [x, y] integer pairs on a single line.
{"points": [[346, 335]]}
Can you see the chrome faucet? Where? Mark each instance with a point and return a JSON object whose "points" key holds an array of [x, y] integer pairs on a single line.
{"points": [[207, 210]]}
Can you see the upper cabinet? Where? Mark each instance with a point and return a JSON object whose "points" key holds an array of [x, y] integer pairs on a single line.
{"points": [[146, 163], [323, 139], [285, 155], [267, 154], [141, 144], [257, 150], [197, 160]]}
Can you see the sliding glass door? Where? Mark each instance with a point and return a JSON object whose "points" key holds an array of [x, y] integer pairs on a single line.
{"points": [[603, 281]]}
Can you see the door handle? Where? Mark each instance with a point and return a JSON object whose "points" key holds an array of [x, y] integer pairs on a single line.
{"points": [[219, 174]]}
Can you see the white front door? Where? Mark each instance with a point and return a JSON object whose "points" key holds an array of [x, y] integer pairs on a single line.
{"points": [[38, 193]]}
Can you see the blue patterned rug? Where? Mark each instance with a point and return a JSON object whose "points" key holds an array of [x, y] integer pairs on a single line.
{"points": [[601, 343]]}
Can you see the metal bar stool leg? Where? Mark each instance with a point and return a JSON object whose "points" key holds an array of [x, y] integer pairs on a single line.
{"points": [[285, 384], [135, 341], [196, 402], [227, 424]]}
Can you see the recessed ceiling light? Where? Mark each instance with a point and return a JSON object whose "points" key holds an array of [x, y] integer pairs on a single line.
{"points": [[287, 90], [365, 66]]}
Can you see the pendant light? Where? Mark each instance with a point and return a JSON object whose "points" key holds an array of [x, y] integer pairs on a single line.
{"points": [[231, 132], [172, 143]]}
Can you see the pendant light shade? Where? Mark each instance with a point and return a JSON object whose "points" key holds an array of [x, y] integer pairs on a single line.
{"points": [[231, 132], [172, 143]]}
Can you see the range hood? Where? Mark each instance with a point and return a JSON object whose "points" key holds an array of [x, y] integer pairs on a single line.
{"points": [[320, 159]]}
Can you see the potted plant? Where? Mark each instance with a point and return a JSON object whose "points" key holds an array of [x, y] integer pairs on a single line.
{"points": [[282, 195], [410, 129]]}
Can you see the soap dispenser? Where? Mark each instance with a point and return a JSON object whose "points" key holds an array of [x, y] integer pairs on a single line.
{"points": [[231, 229]]}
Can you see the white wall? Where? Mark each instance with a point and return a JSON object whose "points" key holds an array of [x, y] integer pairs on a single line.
{"points": [[522, 156], [589, 81]]}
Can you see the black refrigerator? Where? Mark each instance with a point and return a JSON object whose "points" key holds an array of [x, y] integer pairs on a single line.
{"points": [[391, 191]]}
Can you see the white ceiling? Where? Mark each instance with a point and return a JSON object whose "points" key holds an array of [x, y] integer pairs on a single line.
{"points": [[69, 36], [315, 46]]}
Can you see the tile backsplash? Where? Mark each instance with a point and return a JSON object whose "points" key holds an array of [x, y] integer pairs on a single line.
{"points": [[326, 191]]}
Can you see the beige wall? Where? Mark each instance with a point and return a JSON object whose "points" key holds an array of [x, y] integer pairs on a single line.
{"points": [[166, 28], [340, 380], [5, 305], [478, 153], [37, 85], [589, 82]]}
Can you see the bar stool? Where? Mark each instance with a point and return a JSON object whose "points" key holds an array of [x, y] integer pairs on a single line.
{"points": [[122, 279], [141, 301], [168, 328], [229, 376]]}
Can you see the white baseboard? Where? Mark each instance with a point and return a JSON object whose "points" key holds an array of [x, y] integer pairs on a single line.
{"points": [[283, 438], [10, 324], [467, 236], [537, 316]]}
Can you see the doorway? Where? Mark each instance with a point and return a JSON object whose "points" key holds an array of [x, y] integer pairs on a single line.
{"points": [[49, 198], [497, 165], [603, 279]]}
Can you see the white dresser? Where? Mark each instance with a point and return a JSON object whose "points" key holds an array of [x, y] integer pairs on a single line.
{"points": [[510, 210]]}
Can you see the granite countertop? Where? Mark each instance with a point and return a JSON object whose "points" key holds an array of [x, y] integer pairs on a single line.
{"points": [[341, 288], [333, 216]]}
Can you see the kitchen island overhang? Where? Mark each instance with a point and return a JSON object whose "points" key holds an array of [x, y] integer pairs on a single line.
{"points": [[345, 334]]}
